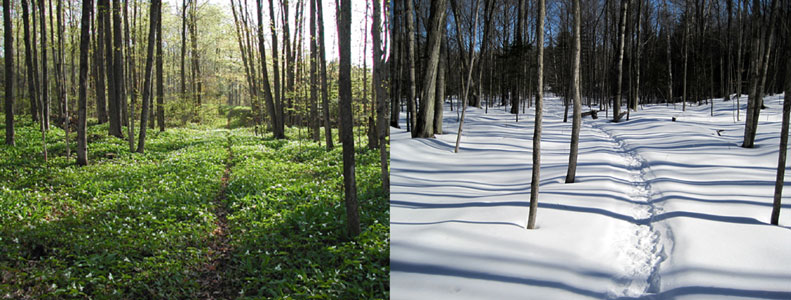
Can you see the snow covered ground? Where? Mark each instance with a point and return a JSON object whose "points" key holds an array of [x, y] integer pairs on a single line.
{"points": [[660, 210]]}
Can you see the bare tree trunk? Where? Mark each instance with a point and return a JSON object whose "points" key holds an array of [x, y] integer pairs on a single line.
{"points": [[275, 67], [156, 7], [425, 116], [396, 64], [439, 99], [669, 57], [324, 89], [8, 55], [781, 160], [469, 60], [60, 78], [183, 90], [382, 129], [44, 83], [32, 72], [761, 39], [160, 87], [198, 81], [345, 112], [85, 41], [314, 90], [274, 117], [118, 64], [575, 93], [619, 61], [411, 81], [686, 59], [130, 60], [534, 183]]}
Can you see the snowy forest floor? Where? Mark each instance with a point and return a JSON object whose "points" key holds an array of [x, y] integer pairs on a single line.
{"points": [[660, 209]]}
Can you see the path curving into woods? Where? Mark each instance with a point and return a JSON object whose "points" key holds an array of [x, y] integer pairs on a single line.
{"points": [[642, 246], [213, 280]]}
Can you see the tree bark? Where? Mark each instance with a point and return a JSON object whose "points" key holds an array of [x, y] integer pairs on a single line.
{"points": [[85, 41], [439, 100], [8, 55], [345, 111], [44, 83], [314, 116], [575, 93], [160, 105], [276, 69], [781, 161], [273, 115], [32, 72], [325, 102], [382, 129], [469, 60], [152, 31], [619, 61], [669, 57], [410, 53], [60, 78], [425, 116], [534, 183], [395, 67]]}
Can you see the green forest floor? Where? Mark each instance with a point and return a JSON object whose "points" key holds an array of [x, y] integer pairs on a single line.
{"points": [[133, 225]]}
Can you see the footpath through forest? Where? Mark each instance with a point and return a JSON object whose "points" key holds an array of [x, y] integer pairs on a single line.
{"points": [[661, 209]]}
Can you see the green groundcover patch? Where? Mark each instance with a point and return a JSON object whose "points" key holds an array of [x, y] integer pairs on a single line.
{"points": [[135, 226]]}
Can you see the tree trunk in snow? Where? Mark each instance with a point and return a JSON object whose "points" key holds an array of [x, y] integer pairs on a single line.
{"points": [[410, 53], [425, 116], [619, 61], [781, 161], [575, 93], [534, 182]]}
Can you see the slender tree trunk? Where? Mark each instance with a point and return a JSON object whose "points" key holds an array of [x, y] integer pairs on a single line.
{"points": [[396, 64], [8, 55], [575, 93], [439, 99], [382, 129], [85, 41], [760, 40], [410, 53], [44, 83], [470, 63], [32, 72], [781, 161], [160, 84], [345, 112], [130, 60], [425, 116], [183, 90], [275, 68], [273, 115], [619, 61], [156, 7], [314, 90], [534, 183], [99, 65], [118, 63], [60, 78], [198, 80], [686, 60], [325, 102], [669, 56]]}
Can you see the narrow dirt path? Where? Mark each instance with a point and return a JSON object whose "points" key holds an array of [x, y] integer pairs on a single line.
{"points": [[643, 246], [213, 281]]}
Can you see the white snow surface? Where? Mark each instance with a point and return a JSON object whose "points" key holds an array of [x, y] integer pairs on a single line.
{"points": [[659, 210]]}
